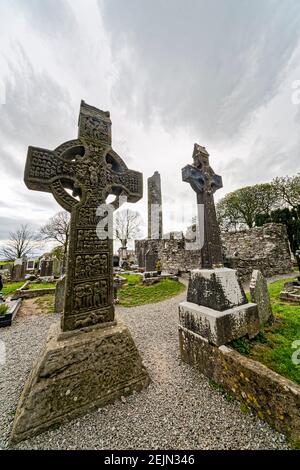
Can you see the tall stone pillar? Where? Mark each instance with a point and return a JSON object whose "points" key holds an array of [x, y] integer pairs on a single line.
{"points": [[155, 224]]}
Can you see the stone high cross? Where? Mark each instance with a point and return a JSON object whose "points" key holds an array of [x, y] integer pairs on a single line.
{"points": [[91, 170], [205, 182]]}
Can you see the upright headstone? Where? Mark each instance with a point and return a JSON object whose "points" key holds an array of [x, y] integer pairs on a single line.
{"points": [[155, 223], [60, 294], [216, 307], [90, 360], [46, 268], [260, 295], [57, 266], [19, 269]]}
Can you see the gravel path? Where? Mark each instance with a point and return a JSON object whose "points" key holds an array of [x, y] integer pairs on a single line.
{"points": [[179, 410]]}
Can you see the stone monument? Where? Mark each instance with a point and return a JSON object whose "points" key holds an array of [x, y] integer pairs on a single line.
{"points": [[90, 359], [260, 295], [155, 225], [216, 310], [19, 269], [46, 267]]}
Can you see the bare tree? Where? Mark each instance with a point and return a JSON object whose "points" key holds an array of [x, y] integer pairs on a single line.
{"points": [[127, 225], [22, 242], [57, 229]]}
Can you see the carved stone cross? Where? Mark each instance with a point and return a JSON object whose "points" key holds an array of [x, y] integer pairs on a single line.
{"points": [[91, 170], [205, 182]]}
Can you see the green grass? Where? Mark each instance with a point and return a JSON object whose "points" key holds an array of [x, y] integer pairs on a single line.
{"points": [[4, 263], [11, 287], [132, 279], [41, 285], [273, 345], [3, 309], [45, 303], [135, 294]]}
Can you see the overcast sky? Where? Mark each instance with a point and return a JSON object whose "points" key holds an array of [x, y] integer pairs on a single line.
{"points": [[171, 72]]}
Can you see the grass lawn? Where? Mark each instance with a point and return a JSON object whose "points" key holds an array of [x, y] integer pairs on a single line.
{"points": [[42, 285], [273, 345], [10, 287], [45, 303], [136, 293]]}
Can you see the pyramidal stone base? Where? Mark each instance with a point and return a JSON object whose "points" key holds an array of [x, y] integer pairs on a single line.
{"points": [[77, 372], [217, 307]]}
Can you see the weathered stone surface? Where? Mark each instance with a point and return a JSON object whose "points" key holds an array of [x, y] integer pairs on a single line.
{"points": [[205, 183], [220, 327], [155, 222], [32, 293], [92, 361], [60, 295], [291, 292], [46, 267], [78, 371], [218, 289], [264, 248], [92, 170], [274, 398], [260, 295]]}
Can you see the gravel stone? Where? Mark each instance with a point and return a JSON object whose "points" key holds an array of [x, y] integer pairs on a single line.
{"points": [[179, 409]]}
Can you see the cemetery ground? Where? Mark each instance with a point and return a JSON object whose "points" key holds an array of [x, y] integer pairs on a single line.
{"points": [[134, 293], [180, 409], [273, 345]]}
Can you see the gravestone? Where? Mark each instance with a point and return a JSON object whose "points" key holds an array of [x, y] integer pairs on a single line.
{"points": [[260, 295], [155, 224], [19, 269], [46, 268], [89, 360], [151, 257], [216, 308], [57, 265], [60, 294]]}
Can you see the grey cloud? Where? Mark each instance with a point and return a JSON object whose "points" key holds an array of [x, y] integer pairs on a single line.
{"points": [[10, 224], [37, 112], [11, 165], [264, 162], [203, 64], [50, 17]]}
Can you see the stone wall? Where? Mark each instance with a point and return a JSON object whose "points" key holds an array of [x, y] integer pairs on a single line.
{"points": [[274, 398], [172, 253], [264, 248]]}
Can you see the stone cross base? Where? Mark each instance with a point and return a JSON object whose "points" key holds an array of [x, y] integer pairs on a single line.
{"points": [[217, 288], [217, 307], [220, 327], [75, 374]]}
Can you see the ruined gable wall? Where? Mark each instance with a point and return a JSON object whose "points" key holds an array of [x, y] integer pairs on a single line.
{"points": [[265, 248]]}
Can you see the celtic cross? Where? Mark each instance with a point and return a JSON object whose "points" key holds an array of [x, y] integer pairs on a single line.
{"points": [[205, 182], [90, 170]]}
